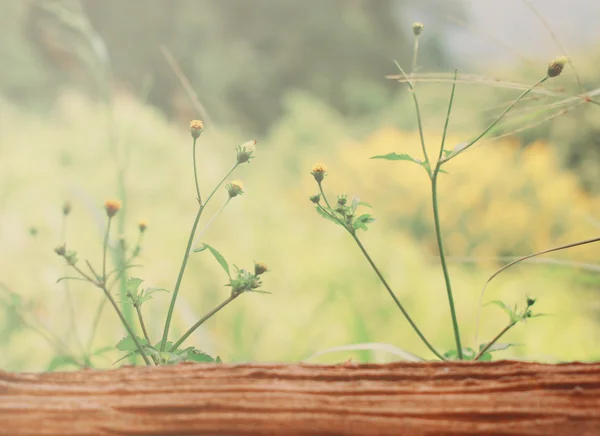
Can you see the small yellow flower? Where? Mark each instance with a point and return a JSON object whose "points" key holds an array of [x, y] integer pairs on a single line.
{"points": [[112, 207], [556, 66], [417, 28], [196, 127], [143, 225], [235, 188], [260, 268], [318, 172]]}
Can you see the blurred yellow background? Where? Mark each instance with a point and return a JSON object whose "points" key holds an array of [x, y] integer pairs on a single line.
{"points": [[500, 199]]}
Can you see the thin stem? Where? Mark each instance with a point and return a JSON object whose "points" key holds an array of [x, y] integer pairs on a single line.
{"points": [[126, 324], [324, 196], [184, 262], [68, 295], [95, 324], [493, 341], [414, 60], [144, 331], [199, 197], [496, 121], [141, 319], [195, 243], [438, 234], [446, 123], [220, 183], [418, 112], [387, 287], [104, 251], [205, 318]]}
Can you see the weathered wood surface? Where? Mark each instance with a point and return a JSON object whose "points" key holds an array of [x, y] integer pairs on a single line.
{"points": [[499, 398]]}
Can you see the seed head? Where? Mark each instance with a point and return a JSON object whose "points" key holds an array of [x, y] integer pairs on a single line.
{"points": [[235, 188], [196, 127], [319, 171], [342, 199], [417, 28], [260, 268], [245, 150], [112, 207], [556, 66], [530, 301]]}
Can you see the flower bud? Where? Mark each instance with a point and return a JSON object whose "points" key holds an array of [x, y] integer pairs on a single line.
{"points": [[260, 268], [112, 207], [66, 208], [244, 151], [143, 225], [556, 66], [315, 198], [196, 128], [61, 250], [417, 28], [319, 171], [235, 188]]}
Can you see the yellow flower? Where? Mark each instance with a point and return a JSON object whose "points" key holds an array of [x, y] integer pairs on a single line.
{"points": [[196, 127], [318, 172], [143, 225], [112, 207]]}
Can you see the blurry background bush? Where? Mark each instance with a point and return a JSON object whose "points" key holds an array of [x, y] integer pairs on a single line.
{"points": [[308, 83]]}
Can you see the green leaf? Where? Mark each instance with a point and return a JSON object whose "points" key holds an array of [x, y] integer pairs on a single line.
{"points": [[510, 312], [485, 357], [59, 361], [218, 360], [362, 203], [468, 354], [146, 294], [200, 249], [128, 344], [220, 259], [447, 152], [495, 347], [362, 221], [326, 216], [199, 356], [133, 283], [396, 156], [71, 278]]}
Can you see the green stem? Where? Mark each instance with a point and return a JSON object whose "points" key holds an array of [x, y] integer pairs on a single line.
{"points": [[418, 112], [387, 287], [204, 319], [196, 174], [95, 324], [104, 251], [185, 259], [195, 243], [496, 121], [493, 341], [126, 324], [438, 234], [144, 331], [324, 196], [414, 60]]}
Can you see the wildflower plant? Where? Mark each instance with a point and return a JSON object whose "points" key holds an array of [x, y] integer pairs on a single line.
{"points": [[345, 214], [164, 351]]}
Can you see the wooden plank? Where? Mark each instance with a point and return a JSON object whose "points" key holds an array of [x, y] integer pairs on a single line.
{"points": [[456, 398]]}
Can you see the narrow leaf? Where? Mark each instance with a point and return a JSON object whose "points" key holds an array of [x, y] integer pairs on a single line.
{"points": [[327, 216], [396, 156], [220, 259]]}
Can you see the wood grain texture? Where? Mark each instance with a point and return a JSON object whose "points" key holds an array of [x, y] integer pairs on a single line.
{"points": [[496, 398]]}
